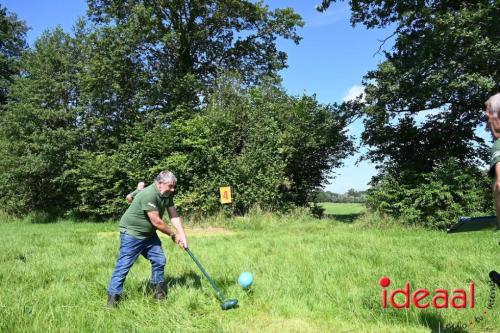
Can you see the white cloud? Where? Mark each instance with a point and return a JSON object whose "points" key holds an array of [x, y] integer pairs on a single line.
{"points": [[329, 17], [354, 92]]}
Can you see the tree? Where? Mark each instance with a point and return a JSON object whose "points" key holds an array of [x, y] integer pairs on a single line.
{"points": [[445, 61], [38, 129], [113, 87], [12, 44], [184, 45], [425, 101]]}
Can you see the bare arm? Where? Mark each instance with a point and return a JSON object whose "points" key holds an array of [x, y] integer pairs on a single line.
{"points": [[158, 223], [129, 198], [177, 222]]}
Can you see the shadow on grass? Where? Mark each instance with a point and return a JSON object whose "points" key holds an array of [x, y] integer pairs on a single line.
{"points": [[344, 218], [190, 279], [437, 324], [186, 280], [224, 283]]}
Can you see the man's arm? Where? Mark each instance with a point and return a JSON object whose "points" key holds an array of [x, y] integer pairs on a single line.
{"points": [[131, 195], [159, 224], [177, 222], [140, 186]]}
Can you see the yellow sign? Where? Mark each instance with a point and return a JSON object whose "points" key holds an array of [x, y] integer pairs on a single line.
{"points": [[225, 195]]}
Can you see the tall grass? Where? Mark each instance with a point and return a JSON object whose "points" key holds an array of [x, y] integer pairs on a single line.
{"points": [[310, 276]]}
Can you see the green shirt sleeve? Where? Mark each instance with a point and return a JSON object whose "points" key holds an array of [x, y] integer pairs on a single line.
{"points": [[148, 203]]}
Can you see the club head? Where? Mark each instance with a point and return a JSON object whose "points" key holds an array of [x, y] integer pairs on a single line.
{"points": [[229, 304], [495, 277]]}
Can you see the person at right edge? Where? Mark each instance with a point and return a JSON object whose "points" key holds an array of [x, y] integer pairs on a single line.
{"points": [[492, 113]]}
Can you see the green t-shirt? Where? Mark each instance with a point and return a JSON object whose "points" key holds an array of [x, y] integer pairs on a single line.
{"points": [[135, 221]]}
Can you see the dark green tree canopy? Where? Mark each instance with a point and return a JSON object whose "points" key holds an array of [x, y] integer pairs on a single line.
{"points": [[186, 44], [445, 60], [38, 127], [12, 44], [424, 104]]}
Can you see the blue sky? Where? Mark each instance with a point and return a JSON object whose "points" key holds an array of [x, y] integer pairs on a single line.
{"points": [[329, 62]]}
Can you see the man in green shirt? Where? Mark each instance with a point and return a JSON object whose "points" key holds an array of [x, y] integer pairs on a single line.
{"points": [[138, 235]]}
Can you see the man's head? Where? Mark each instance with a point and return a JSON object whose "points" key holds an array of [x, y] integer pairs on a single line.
{"points": [[493, 105], [140, 186], [166, 182]]}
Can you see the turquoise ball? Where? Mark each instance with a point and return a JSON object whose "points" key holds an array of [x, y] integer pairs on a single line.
{"points": [[245, 280]]}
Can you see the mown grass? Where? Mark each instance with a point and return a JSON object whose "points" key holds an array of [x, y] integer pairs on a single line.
{"points": [[310, 276]]}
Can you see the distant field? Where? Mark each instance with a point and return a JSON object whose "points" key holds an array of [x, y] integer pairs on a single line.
{"points": [[332, 208], [310, 276]]}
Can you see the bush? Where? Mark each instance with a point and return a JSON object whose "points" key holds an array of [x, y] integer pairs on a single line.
{"points": [[433, 200], [271, 148]]}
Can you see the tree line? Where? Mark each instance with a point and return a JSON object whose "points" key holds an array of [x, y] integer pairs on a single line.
{"points": [[194, 86], [351, 196], [142, 86]]}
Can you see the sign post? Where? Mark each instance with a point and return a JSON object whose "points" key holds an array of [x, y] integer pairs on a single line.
{"points": [[225, 195]]}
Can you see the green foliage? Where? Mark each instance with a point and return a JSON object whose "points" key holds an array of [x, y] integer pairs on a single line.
{"points": [[38, 128], [424, 104], [317, 210], [141, 88], [435, 199], [184, 46], [258, 144], [445, 59], [12, 44], [113, 87], [252, 139]]}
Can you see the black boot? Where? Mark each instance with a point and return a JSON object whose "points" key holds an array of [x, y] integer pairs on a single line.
{"points": [[159, 291], [113, 300]]}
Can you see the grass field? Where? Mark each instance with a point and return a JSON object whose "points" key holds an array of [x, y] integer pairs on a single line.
{"points": [[332, 208], [310, 276]]}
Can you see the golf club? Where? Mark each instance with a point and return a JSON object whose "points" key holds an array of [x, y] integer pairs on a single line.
{"points": [[226, 304]]}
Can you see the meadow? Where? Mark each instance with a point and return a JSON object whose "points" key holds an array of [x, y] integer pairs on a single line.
{"points": [[309, 276]]}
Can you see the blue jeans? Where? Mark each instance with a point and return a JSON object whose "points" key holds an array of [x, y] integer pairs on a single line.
{"points": [[130, 248]]}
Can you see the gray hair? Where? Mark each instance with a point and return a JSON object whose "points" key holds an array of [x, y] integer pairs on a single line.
{"points": [[493, 103], [166, 177]]}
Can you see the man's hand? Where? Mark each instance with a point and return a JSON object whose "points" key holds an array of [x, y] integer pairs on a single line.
{"points": [[177, 240]]}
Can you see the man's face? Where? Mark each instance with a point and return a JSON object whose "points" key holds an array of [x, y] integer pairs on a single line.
{"points": [[166, 187]]}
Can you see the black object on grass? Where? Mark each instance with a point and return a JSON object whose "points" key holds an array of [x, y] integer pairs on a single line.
{"points": [[466, 224]]}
